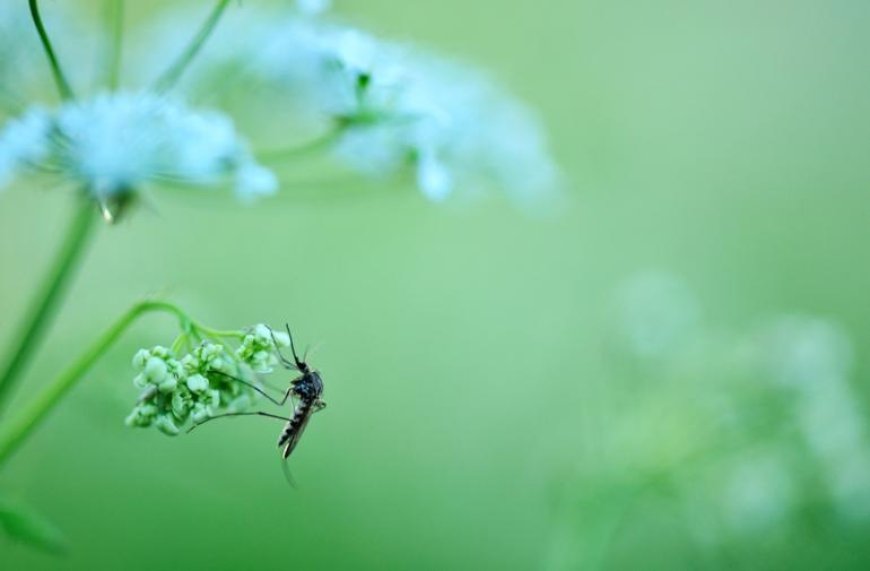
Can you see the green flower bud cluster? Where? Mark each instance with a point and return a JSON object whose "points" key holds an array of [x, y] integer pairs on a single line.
{"points": [[258, 349], [179, 390]]}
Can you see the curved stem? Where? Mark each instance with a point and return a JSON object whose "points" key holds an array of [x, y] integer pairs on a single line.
{"points": [[217, 332], [315, 145], [170, 77], [63, 86], [43, 307], [19, 429]]}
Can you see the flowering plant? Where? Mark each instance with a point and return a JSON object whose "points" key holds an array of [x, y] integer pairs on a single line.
{"points": [[377, 106]]}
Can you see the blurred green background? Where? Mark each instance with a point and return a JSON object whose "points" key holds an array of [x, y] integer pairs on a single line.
{"points": [[488, 405]]}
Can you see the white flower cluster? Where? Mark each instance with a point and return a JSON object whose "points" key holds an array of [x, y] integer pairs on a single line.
{"points": [[113, 144], [394, 106], [402, 107], [200, 384], [772, 411], [812, 357]]}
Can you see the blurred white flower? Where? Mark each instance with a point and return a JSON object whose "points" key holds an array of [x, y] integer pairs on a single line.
{"points": [[115, 143], [313, 7], [759, 493], [394, 107], [657, 313], [813, 357], [23, 142], [806, 351], [451, 124]]}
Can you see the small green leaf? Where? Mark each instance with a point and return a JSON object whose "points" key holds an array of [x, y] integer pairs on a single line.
{"points": [[22, 524]]}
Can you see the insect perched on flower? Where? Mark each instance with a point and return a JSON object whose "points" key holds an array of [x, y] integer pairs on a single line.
{"points": [[307, 387]]}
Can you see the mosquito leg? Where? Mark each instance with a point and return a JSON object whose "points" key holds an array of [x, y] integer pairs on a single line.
{"points": [[258, 413], [270, 386], [288, 364], [287, 475], [256, 388], [319, 405]]}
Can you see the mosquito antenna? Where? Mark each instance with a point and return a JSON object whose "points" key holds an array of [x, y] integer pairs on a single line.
{"points": [[292, 346], [312, 349]]}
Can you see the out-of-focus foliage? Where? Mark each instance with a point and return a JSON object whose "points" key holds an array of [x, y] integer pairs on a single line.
{"points": [[21, 524], [507, 391]]}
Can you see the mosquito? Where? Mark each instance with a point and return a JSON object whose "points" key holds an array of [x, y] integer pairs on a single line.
{"points": [[307, 388]]}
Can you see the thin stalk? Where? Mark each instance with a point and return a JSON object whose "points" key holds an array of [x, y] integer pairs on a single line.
{"points": [[33, 414], [115, 10], [63, 86], [306, 149], [45, 303], [172, 74]]}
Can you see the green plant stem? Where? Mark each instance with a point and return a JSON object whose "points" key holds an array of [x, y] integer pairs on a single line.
{"points": [[31, 416], [115, 10], [170, 77], [304, 150], [63, 86], [45, 303]]}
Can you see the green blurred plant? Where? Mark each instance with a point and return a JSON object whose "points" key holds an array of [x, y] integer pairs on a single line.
{"points": [[19, 521]]}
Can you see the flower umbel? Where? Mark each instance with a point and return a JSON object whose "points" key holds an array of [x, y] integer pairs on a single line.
{"points": [[115, 143], [384, 107], [399, 107], [178, 390]]}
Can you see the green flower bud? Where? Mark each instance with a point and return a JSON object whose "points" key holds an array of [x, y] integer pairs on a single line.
{"points": [[213, 399], [174, 367], [282, 339], [180, 406], [197, 383], [160, 351], [199, 413], [168, 384], [219, 364], [140, 358], [261, 361], [148, 410], [155, 369], [190, 364], [140, 382], [142, 415], [210, 351], [133, 419], [166, 425]]}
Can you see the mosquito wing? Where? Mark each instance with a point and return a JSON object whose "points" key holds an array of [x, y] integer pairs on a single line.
{"points": [[293, 432]]}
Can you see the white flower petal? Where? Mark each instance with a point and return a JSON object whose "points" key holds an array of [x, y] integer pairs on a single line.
{"points": [[434, 178]]}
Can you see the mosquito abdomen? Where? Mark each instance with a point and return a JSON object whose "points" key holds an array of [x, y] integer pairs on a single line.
{"points": [[293, 429]]}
